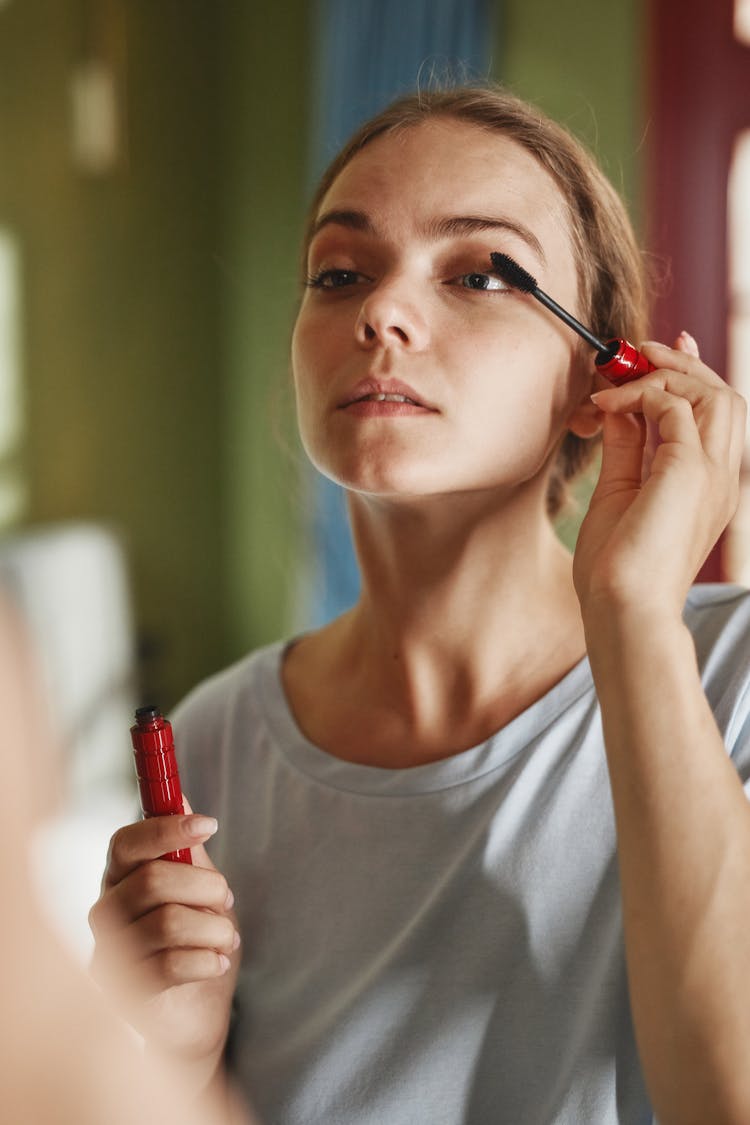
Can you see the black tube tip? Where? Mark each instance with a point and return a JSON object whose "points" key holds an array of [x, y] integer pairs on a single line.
{"points": [[147, 714]]}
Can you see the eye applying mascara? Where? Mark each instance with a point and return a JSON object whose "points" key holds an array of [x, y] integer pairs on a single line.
{"points": [[618, 359]]}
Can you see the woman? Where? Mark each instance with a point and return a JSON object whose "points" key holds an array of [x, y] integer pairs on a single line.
{"points": [[489, 848]]}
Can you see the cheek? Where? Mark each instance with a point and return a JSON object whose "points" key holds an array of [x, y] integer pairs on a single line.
{"points": [[314, 343], [306, 357], [310, 363]]}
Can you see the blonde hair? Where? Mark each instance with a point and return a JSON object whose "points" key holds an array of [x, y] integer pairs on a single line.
{"points": [[611, 275]]}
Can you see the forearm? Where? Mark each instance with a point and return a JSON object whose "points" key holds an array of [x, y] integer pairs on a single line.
{"points": [[683, 828]]}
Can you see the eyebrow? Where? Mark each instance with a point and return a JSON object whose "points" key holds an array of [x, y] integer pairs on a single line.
{"points": [[450, 226]]}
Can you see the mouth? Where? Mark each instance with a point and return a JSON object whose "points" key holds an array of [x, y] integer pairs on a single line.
{"points": [[373, 391], [388, 398]]}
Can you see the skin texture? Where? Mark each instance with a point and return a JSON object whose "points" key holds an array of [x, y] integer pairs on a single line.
{"points": [[470, 607], [457, 346]]}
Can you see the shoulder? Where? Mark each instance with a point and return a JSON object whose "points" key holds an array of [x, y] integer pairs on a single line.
{"points": [[223, 718], [718, 616], [240, 684]]}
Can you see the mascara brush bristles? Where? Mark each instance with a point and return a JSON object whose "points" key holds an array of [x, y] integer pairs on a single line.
{"points": [[516, 276]]}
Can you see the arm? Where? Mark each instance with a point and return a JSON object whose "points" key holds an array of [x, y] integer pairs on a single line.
{"points": [[683, 821]]}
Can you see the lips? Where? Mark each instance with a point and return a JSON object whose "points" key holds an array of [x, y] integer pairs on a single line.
{"points": [[384, 390]]}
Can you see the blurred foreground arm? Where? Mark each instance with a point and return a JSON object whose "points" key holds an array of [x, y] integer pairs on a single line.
{"points": [[66, 1055]]}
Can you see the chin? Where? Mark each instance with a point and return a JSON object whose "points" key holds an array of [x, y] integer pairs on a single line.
{"points": [[389, 481]]}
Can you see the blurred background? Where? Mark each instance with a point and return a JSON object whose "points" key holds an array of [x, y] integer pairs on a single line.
{"points": [[156, 517]]}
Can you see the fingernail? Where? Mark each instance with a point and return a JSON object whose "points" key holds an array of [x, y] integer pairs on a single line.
{"points": [[201, 825], [224, 962], [229, 900], [236, 941], [690, 341]]}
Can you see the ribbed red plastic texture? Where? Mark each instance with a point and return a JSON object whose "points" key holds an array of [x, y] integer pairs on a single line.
{"points": [[156, 771]]}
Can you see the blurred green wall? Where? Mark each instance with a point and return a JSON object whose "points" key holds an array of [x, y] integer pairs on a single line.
{"points": [[583, 62], [159, 296], [157, 299]]}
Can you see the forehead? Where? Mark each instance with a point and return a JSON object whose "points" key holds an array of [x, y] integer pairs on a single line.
{"points": [[445, 166]]}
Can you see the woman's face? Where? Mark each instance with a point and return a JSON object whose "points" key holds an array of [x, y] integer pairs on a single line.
{"points": [[402, 301]]}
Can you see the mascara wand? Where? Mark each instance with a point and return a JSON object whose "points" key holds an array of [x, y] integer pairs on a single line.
{"points": [[619, 360]]}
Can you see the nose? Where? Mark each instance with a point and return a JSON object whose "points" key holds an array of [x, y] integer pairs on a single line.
{"points": [[390, 316]]}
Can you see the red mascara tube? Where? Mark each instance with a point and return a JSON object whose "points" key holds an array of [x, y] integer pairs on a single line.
{"points": [[621, 362], [156, 770]]}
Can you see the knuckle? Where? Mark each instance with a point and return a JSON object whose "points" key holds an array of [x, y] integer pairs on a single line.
{"points": [[169, 922], [105, 916], [93, 918], [149, 881], [119, 845], [172, 966], [216, 889]]}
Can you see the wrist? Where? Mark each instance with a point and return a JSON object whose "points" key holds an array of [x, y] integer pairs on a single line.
{"points": [[615, 632], [621, 612]]}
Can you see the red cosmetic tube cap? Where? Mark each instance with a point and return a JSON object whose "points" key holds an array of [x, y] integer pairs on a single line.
{"points": [[621, 362], [156, 770]]}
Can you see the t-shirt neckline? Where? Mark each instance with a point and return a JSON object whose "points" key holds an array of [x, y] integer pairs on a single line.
{"points": [[465, 766]]}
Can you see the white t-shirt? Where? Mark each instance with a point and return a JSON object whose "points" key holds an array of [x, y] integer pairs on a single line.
{"points": [[441, 944]]}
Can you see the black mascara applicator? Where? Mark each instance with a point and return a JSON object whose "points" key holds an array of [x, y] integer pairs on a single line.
{"points": [[619, 360]]}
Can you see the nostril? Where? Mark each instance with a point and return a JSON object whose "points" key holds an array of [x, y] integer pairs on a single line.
{"points": [[388, 330]]}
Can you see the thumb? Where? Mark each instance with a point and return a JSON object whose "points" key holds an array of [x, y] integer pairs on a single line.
{"points": [[200, 856]]}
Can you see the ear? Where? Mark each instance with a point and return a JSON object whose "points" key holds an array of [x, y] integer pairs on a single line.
{"points": [[586, 420]]}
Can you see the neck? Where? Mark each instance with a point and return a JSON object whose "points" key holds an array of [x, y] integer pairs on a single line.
{"points": [[449, 579], [465, 618]]}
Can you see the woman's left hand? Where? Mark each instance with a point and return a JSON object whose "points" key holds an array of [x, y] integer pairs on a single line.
{"points": [[653, 520]]}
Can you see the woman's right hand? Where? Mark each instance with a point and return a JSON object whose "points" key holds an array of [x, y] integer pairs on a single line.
{"points": [[166, 931]]}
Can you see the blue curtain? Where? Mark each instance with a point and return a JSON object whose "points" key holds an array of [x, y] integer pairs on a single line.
{"points": [[367, 52]]}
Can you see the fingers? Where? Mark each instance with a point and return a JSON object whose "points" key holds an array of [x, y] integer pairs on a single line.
{"points": [[173, 920], [199, 854], [177, 927], [149, 839], [186, 966], [160, 881], [684, 357], [175, 945], [179, 945], [172, 944], [138, 881], [689, 403]]}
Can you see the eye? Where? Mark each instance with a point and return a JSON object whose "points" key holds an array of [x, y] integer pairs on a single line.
{"points": [[334, 279], [486, 281]]}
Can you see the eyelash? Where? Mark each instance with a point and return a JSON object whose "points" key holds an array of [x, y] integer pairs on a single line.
{"points": [[317, 280], [338, 276]]}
